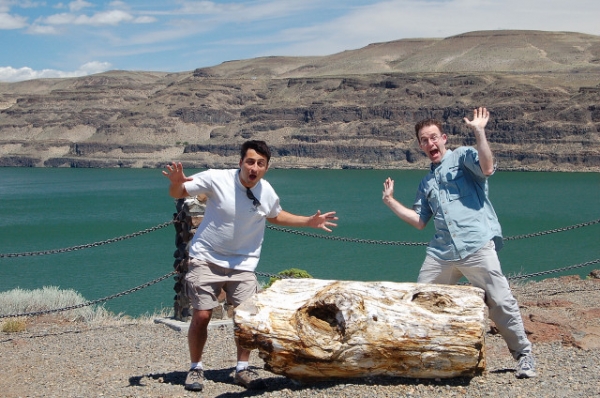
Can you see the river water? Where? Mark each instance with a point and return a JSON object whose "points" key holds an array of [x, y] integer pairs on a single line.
{"points": [[46, 209]]}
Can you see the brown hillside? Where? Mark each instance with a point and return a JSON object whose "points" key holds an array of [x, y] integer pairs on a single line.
{"points": [[356, 108]]}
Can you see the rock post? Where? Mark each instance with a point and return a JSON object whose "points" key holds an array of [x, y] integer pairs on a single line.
{"points": [[190, 213]]}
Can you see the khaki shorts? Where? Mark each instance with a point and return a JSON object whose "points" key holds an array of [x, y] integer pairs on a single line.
{"points": [[205, 280]]}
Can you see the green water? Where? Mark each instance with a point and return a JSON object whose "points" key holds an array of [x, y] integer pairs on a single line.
{"points": [[45, 209]]}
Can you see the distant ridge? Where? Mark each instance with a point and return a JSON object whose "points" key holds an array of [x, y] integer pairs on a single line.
{"points": [[482, 51], [353, 109]]}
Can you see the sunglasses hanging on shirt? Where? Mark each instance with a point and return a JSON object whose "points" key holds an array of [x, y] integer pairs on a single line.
{"points": [[251, 196]]}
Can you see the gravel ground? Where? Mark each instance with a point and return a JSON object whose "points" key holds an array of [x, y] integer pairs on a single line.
{"points": [[145, 359]]}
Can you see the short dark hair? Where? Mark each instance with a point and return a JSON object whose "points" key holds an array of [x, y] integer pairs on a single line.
{"points": [[260, 147], [426, 123]]}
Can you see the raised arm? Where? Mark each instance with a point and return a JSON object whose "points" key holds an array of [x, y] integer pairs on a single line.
{"points": [[317, 220], [480, 119], [175, 174], [407, 215]]}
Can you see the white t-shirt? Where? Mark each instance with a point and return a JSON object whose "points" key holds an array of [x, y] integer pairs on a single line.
{"points": [[232, 231]]}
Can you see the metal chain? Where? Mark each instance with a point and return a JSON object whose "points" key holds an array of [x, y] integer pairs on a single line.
{"points": [[552, 231], [552, 271], [516, 277], [86, 246], [88, 303], [343, 239], [397, 243]]}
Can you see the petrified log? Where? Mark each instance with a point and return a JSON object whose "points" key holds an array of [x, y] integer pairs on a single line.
{"points": [[310, 329]]}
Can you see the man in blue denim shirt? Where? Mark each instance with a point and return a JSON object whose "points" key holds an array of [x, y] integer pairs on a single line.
{"points": [[467, 231]]}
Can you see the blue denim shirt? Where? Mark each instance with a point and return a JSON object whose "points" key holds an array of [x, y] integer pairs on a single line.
{"points": [[455, 194]]}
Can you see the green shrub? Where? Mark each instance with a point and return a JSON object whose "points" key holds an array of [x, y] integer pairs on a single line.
{"points": [[292, 273]]}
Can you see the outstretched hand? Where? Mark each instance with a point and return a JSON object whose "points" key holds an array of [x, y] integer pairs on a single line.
{"points": [[480, 119], [175, 173], [322, 221], [388, 189]]}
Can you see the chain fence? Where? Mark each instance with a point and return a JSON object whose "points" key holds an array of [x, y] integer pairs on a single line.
{"points": [[277, 276], [89, 245], [398, 243]]}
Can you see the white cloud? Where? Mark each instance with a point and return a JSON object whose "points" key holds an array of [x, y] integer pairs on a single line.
{"points": [[36, 29], [208, 7], [247, 10], [6, 5], [90, 68], [59, 19], [79, 5], [8, 21], [112, 17], [144, 19], [206, 18], [118, 4], [29, 3], [10, 74]]}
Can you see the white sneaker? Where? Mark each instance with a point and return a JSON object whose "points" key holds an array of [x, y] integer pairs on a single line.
{"points": [[526, 367]]}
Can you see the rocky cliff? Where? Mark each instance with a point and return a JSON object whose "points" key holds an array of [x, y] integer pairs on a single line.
{"points": [[355, 109]]}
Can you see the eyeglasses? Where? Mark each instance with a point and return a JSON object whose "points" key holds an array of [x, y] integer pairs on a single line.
{"points": [[434, 139], [251, 196]]}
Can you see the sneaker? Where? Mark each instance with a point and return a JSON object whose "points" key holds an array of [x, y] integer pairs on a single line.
{"points": [[194, 380], [249, 379], [526, 367]]}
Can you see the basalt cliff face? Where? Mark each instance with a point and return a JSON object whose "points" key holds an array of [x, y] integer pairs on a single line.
{"points": [[354, 109]]}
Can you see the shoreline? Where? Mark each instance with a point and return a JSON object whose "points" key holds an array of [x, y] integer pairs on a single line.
{"points": [[297, 167]]}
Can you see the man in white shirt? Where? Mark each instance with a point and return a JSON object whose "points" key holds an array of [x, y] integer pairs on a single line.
{"points": [[225, 249]]}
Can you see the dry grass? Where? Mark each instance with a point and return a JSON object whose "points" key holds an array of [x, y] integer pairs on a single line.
{"points": [[19, 301], [14, 325]]}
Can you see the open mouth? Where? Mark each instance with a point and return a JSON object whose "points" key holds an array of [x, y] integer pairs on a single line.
{"points": [[434, 152]]}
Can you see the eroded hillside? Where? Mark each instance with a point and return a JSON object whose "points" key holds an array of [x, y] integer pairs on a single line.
{"points": [[352, 109]]}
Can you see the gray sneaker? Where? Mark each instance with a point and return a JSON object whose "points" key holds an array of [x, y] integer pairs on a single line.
{"points": [[249, 379], [526, 367], [194, 380]]}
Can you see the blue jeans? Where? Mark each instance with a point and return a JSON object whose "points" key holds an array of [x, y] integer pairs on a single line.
{"points": [[482, 269]]}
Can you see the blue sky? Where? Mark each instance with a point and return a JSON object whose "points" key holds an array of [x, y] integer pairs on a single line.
{"points": [[75, 38]]}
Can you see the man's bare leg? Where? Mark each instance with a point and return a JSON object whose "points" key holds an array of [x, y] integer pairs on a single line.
{"points": [[198, 333]]}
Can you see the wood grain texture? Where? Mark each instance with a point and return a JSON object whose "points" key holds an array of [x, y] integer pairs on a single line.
{"points": [[319, 329]]}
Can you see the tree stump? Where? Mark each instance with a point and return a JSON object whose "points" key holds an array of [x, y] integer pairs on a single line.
{"points": [[311, 329]]}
